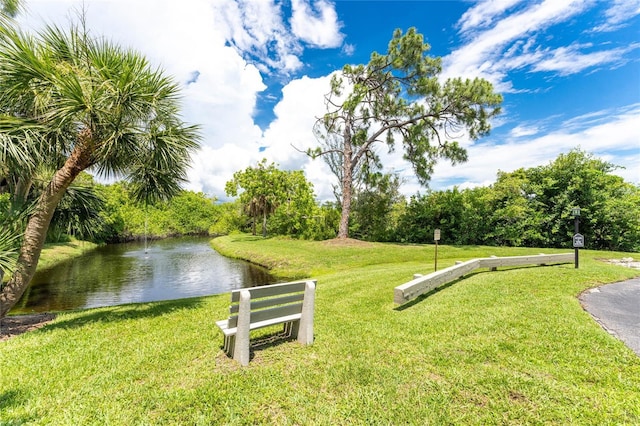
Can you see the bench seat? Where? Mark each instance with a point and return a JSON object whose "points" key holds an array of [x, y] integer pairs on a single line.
{"points": [[290, 304], [256, 325]]}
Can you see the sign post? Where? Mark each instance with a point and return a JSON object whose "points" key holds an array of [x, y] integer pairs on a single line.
{"points": [[578, 239], [436, 238], [578, 243]]}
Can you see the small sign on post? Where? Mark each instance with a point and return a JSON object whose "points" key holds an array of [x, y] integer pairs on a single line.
{"points": [[436, 238], [578, 243]]}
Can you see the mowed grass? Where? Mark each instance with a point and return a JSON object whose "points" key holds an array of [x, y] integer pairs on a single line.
{"points": [[56, 253], [506, 347]]}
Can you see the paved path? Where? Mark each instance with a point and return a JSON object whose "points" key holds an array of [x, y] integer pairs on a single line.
{"points": [[617, 308]]}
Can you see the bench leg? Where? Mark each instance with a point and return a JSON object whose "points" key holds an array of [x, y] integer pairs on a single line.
{"points": [[291, 328], [229, 343], [305, 333], [241, 344]]}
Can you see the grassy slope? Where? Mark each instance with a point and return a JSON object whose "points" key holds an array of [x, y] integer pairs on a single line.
{"points": [[506, 347], [55, 253]]}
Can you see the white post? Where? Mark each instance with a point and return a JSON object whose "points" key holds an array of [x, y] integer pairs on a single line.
{"points": [[241, 349], [305, 333]]}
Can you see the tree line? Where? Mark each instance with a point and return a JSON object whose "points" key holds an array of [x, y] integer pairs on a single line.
{"points": [[527, 207], [530, 208]]}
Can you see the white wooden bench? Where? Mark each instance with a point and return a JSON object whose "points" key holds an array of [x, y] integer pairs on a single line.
{"points": [[291, 304]]}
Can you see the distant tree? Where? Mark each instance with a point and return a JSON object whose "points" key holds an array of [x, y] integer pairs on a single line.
{"points": [[399, 95], [609, 220], [192, 212], [261, 189], [229, 218], [436, 210], [515, 217], [81, 103], [264, 188], [373, 209], [324, 222], [296, 213], [532, 208]]}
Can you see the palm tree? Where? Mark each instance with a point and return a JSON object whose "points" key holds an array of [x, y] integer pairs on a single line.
{"points": [[10, 8], [84, 103]]}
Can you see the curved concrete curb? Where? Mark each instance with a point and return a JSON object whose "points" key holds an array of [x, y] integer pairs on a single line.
{"points": [[617, 308]]}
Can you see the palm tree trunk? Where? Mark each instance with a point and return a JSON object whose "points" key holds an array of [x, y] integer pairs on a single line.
{"points": [[37, 227], [23, 186], [264, 223]]}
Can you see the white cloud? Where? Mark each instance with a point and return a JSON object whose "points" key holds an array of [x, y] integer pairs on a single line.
{"points": [[316, 24], [618, 14], [520, 131], [608, 134], [291, 132], [348, 49], [570, 60], [258, 30], [484, 13], [482, 53], [499, 44]]}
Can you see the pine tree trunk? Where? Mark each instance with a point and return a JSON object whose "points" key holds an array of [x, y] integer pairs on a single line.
{"points": [[347, 185], [37, 227], [343, 231]]}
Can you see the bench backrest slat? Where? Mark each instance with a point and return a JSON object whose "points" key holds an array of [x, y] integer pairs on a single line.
{"points": [[267, 314], [265, 303], [270, 290]]}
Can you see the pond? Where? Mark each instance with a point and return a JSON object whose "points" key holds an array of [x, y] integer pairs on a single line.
{"points": [[116, 274]]}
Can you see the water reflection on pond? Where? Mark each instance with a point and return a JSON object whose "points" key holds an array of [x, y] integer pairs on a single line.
{"points": [[127, 273]]}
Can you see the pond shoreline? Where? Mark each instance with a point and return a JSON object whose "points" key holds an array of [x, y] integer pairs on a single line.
{"points": [[116, 274]]}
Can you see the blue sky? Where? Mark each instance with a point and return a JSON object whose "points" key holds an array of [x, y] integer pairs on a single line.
{"points": [[255, 72]]}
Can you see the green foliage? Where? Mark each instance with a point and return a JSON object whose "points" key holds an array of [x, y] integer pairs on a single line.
{"points": [[9, 236], [77, 214], [229, 219], [578, 179], [376, 209], [399, 95], [10, 8], [70, 101], [267, 192], [295, 215], [326, 221], [192, 212], [532, 208], [125, 219]]}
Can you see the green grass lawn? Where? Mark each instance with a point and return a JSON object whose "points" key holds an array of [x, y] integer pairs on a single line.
{"points": [[506, 347]]}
